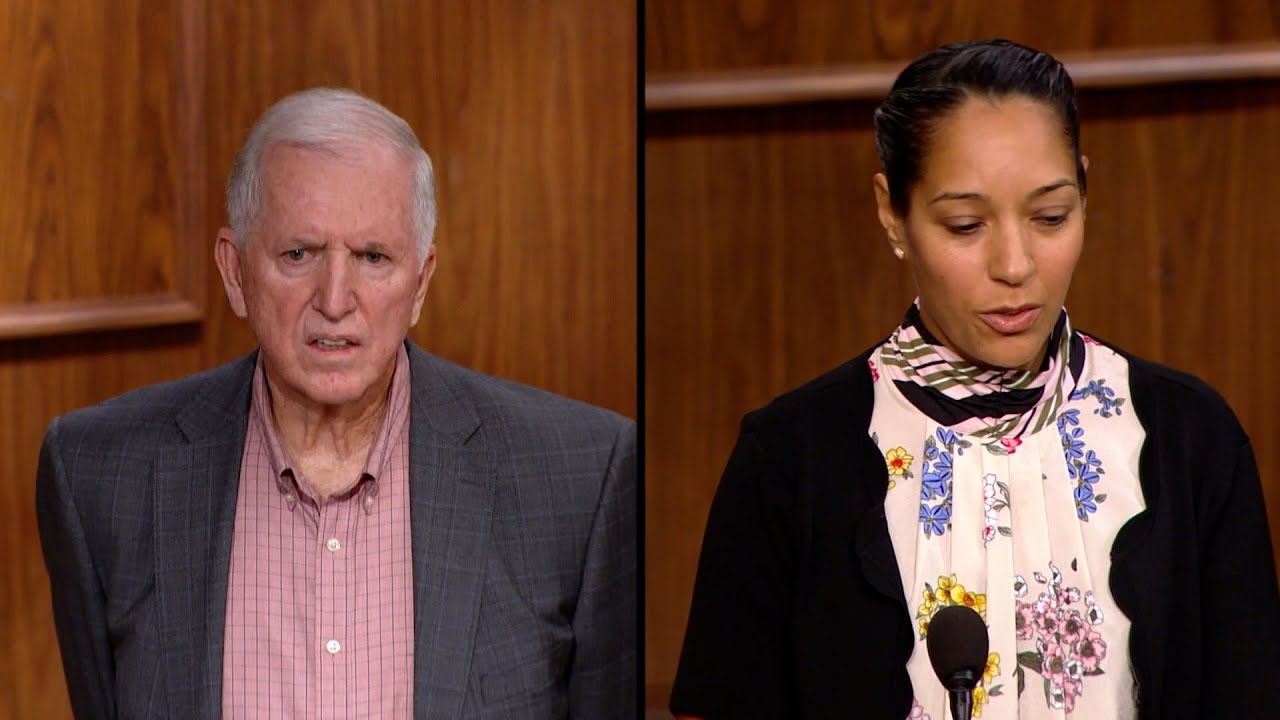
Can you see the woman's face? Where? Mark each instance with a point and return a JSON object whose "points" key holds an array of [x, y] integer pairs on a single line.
{"points": [[994, 230]]}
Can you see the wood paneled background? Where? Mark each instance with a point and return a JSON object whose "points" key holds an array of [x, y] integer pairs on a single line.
{"points": [[765, 264], [119, 122]]}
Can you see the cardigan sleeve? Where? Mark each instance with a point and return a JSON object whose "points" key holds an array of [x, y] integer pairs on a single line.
{"points": [[1241, 604], [736, 657]]}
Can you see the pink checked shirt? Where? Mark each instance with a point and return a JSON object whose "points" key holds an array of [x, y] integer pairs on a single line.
{"points": [[320, 599]]}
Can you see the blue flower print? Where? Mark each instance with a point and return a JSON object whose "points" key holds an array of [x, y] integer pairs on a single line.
{"points": [[1084, 467], [1072, 445], [934, 481], [1092, 460], [953, 441], [1069, 417], [935, 518], [1108, 402], [1085, 500]]}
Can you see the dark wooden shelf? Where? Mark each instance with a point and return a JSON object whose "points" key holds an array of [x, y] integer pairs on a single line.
{"points": [[871, 81]]}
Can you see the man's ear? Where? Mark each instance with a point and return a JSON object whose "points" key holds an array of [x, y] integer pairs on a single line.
{"points": [[226, 253], [424, 279]]}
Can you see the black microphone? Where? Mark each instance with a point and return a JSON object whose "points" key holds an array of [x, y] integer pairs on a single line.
{"points": [[958, 644]]}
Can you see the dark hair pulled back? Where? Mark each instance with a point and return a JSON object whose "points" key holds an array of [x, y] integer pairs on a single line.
{"points": [[937, 82]]}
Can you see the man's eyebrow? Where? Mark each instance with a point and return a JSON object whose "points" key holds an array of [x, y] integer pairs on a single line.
{"points": [[305, 242], [372, 246]]}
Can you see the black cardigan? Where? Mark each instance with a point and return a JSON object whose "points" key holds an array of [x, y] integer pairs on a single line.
{"points": [[798, 608]]}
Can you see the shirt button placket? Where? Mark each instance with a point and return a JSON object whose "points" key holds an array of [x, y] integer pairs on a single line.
{"points": [[332, 614]]}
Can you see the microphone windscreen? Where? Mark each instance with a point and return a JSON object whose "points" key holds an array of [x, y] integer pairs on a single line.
{"points": [[957, 641]]}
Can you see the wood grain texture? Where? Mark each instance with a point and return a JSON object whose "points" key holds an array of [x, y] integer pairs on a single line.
{"points": [[765, 264], [1129, 67], [108, 179], [527, 109], [740, 34]]}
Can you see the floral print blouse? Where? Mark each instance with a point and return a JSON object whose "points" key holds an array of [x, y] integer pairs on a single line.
{"points": [[1020, 529]]}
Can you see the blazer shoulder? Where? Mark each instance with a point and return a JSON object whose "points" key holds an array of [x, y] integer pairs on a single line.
{"points": [[529, 415], [151, 408]]}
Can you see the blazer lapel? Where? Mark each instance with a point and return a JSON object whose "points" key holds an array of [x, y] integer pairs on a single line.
{"points": [[195, 503], [451, 509]]}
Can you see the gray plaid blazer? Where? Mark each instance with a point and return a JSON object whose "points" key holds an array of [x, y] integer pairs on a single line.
{"points": [[523, 513]]}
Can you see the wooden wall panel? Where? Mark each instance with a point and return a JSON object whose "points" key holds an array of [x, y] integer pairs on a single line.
{"points": [[765, 264], [527, 109], [721, 34], [92, 166]]}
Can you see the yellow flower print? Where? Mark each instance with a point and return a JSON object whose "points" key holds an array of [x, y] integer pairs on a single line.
{"points": [[979, 699], [930, 603], [977, 601], [898, 461], [992, 669], [944, 587]]}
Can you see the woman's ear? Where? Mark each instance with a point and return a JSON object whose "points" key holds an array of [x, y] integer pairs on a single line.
{"points": [[889, 219]]}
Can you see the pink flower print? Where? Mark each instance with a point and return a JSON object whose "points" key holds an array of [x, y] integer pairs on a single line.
{"points": [[990, 501], [1047, 625], [1046, 604], [1072, 628], [1054, 668], [1057, 696], [1093, 611], [1024, 622], [1010, 444], [1091, 650], [1089, 340], [1071, 689], [917, 711], [875, 374], [1057, 576], [1065, 595]]}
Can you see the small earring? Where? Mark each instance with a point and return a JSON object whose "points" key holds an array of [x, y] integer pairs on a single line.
{"points": [[902, 255]]}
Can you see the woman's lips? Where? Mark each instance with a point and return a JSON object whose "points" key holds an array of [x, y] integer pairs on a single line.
{"points": [[1011, 322]]}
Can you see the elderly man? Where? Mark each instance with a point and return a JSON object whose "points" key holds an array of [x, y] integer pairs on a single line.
{"points": [[340, 525]]}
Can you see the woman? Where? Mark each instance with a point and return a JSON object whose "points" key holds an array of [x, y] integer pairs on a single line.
{"points": [[1100, 512]]}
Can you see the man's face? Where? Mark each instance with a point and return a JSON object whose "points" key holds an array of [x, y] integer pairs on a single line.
{"points": [[331, 279]]}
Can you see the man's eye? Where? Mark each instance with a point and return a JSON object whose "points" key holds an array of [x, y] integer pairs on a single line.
{"points": [[375, 257], [296, 254]]}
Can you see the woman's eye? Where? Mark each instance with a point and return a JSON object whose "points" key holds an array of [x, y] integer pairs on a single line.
{"points": [[966, 229], [1053, 220]]}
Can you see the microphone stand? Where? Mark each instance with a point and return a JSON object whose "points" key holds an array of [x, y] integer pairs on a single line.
{"points": [[960, 692]]}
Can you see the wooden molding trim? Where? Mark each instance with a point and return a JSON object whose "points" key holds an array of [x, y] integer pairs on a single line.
{"points": [[184, 300], [75, 316], [871, 81]]}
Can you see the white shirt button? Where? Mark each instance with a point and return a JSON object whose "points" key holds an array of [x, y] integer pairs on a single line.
{"points": [[333, 647], [333, 545]]}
